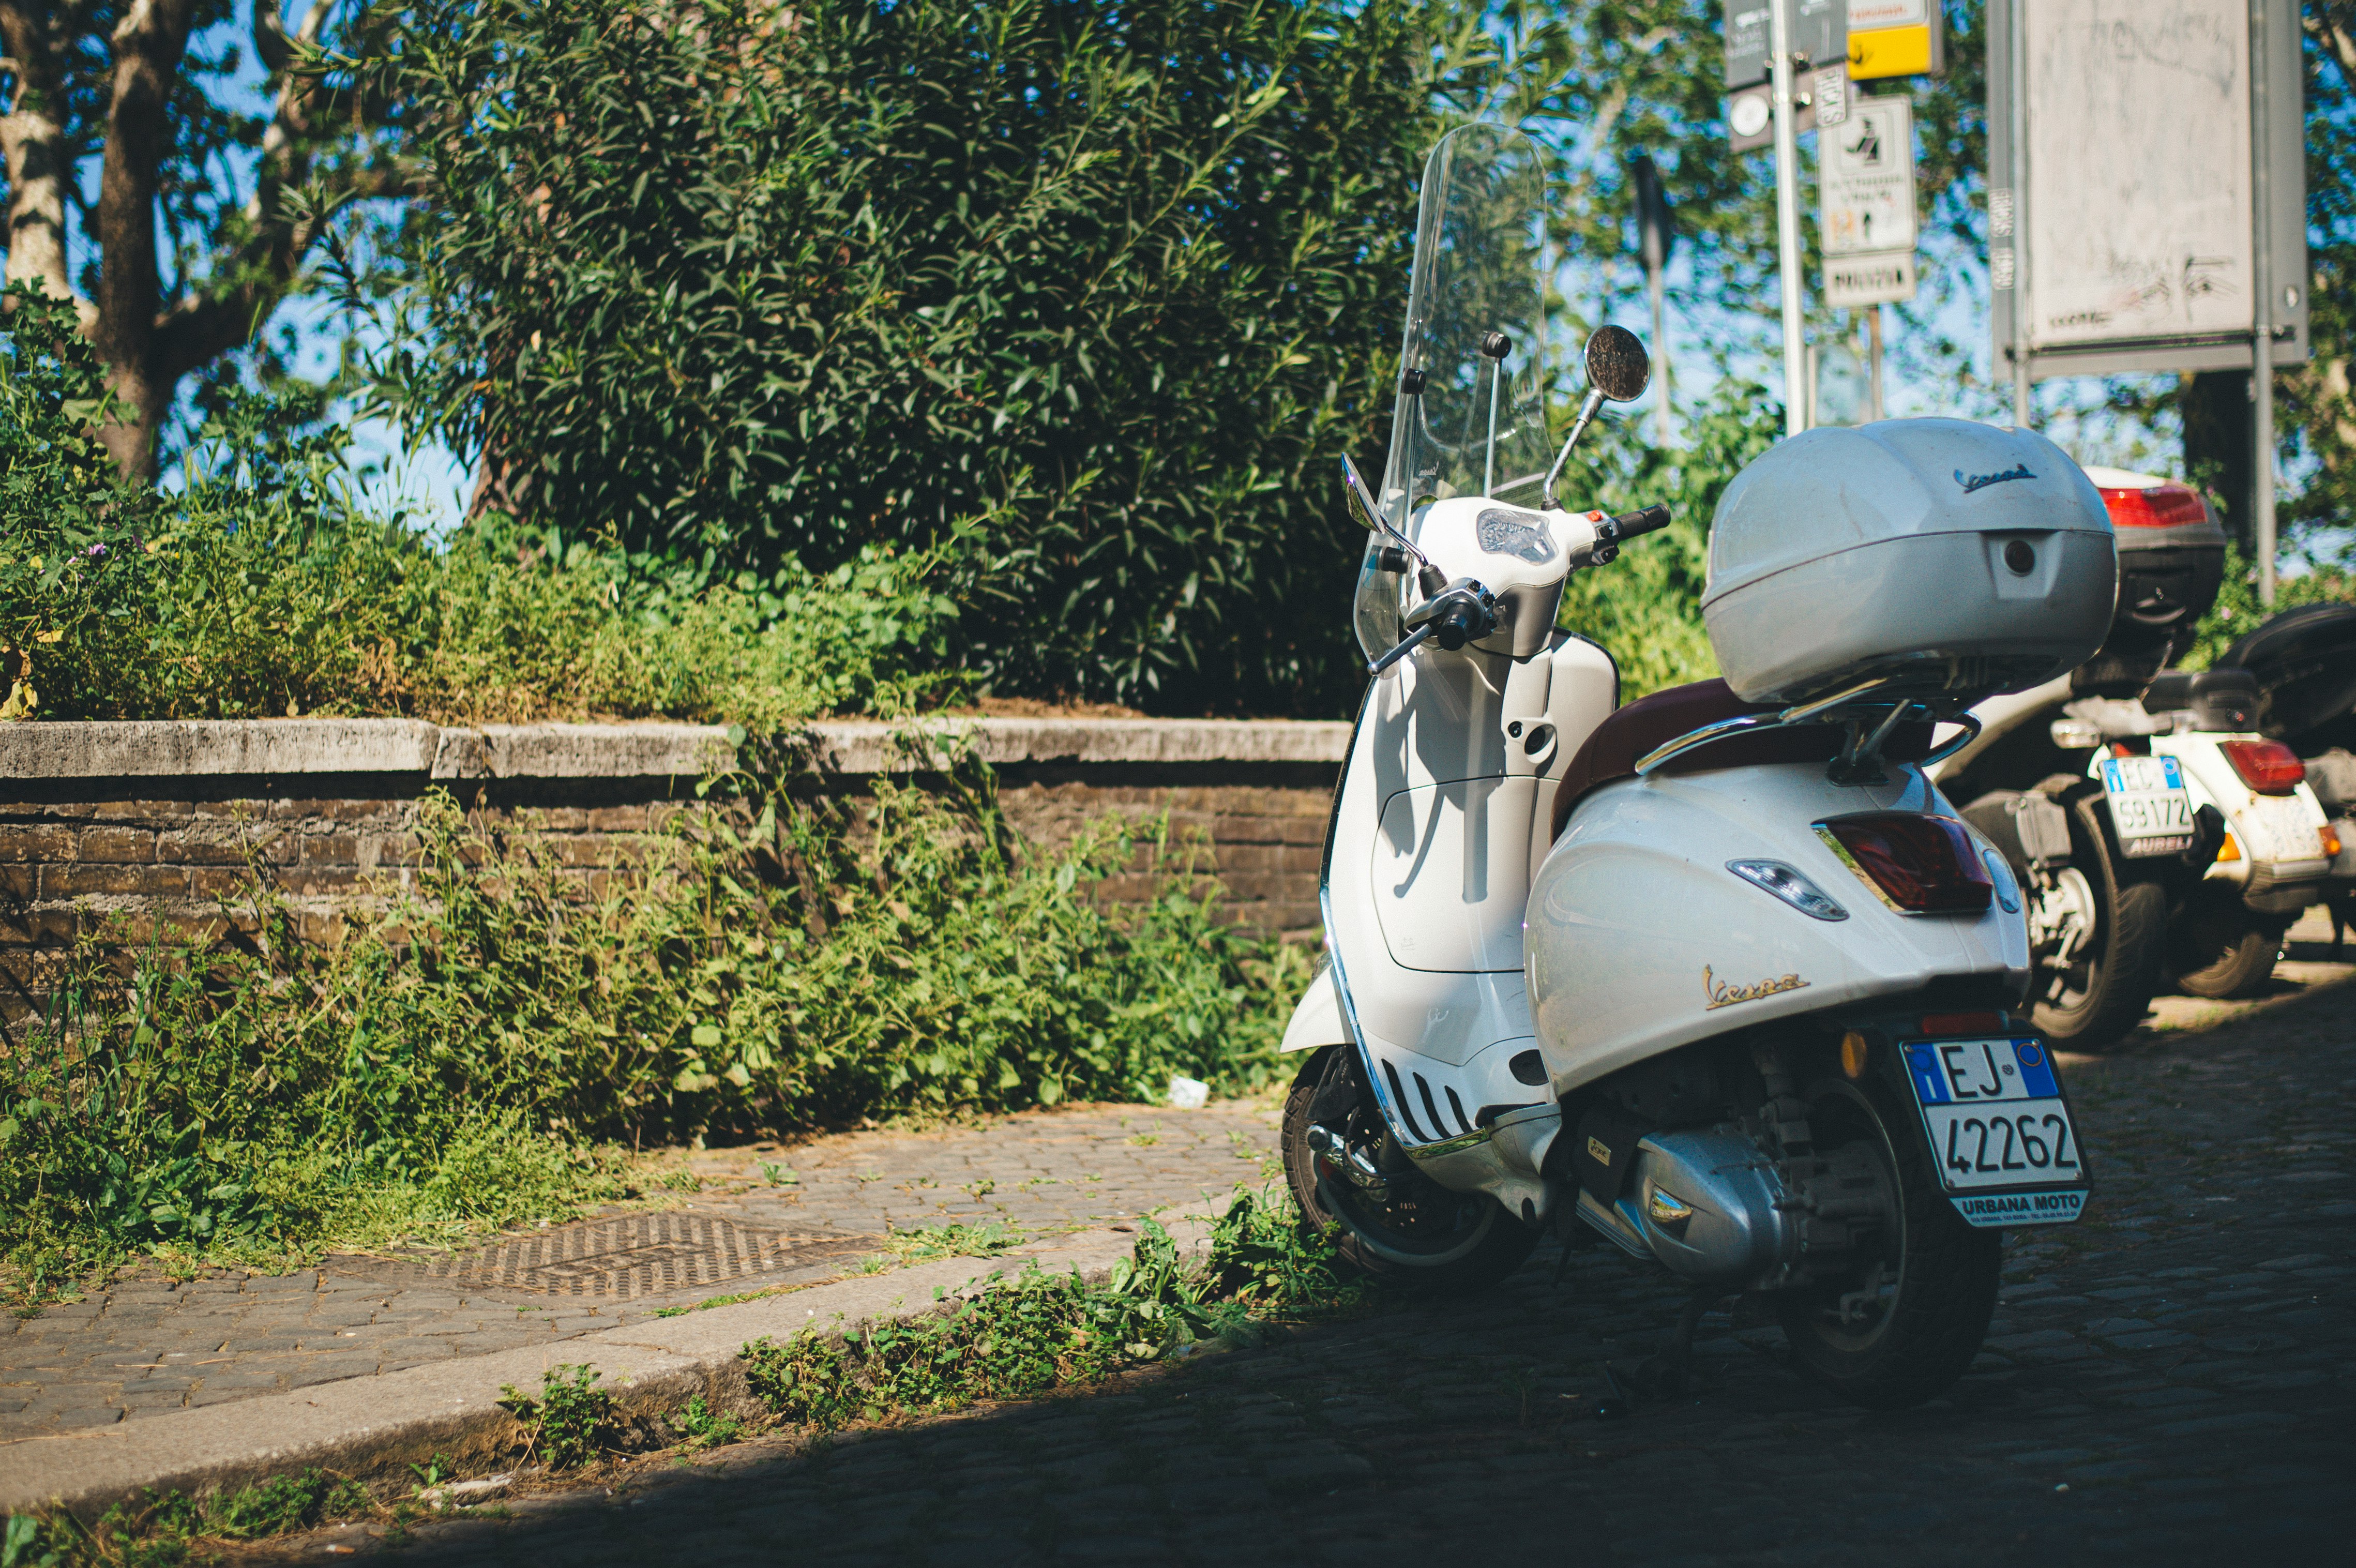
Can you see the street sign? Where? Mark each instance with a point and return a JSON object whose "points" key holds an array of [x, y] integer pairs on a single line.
{"points": [[1819, 32], [1751, 111], [1896, 38], [1865, 179], [1852, 282]]}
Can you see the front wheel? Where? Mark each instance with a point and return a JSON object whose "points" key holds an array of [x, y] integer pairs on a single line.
{"points": [[1904, 1320], [1417, 1231], [2220, 949]]}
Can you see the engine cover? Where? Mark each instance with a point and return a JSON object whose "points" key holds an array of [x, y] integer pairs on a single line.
{"points": [[1707, 1206]]}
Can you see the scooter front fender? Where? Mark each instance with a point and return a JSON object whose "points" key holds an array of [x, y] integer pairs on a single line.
{"points": [[1316, 1017], [1639, 939]]}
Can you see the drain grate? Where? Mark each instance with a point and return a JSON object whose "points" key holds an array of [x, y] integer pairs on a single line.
{"points": [[629, 1257]]}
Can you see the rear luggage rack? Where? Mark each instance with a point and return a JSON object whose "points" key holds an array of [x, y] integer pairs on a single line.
{"points": [[1859, 761]]}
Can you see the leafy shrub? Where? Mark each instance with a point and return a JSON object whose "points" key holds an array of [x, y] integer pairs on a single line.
{"points": [[262, 588], [1645, 607], [1122, 277], [474, 1056]]}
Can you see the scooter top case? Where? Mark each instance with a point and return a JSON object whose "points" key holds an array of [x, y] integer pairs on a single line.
{"points": [[1937, 556], [2171, 563], [2304, 661]]}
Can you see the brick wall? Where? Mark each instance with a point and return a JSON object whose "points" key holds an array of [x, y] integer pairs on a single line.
{"points": [[168, 855]]}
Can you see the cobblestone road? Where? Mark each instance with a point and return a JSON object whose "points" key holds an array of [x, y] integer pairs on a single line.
{"points": [[148, 1344], [2168, 1381]]}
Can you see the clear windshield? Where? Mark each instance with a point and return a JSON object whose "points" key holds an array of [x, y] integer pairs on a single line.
{"points": [[1475, 330]]}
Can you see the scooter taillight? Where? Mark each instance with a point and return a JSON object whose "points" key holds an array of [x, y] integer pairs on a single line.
{"points": [[2266, 766], [1923, 864]]}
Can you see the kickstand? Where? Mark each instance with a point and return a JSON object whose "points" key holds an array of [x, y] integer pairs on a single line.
{"points": [[1664, 1372]]}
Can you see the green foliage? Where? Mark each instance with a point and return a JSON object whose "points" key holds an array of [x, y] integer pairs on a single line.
{"points": [[1646, 607], [1039, 1331], [1122, 278], [2237, 612], [701, 1428], [463, 1061], [264, 588], [170, 1529], [571, 1422]]}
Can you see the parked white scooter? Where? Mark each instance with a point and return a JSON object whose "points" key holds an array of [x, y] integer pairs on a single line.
{"points": [[1718, 977]]}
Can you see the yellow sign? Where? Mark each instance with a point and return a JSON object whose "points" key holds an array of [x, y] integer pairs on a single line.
{"points": [[1890, 51]]}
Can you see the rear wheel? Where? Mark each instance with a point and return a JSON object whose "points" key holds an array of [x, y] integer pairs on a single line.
{"points": [[2220, 949], [1413, 1232], [1906, 1318]]}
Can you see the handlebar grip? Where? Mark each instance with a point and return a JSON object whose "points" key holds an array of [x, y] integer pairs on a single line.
{"points": [[1649, 520]]}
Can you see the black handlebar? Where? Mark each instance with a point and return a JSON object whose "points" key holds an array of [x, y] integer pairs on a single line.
{"points": [[1628, 525]]}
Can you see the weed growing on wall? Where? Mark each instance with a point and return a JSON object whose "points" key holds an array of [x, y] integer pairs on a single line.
{"points": [[568, 1423], [1039, 1331], [492, 1045], [167, 1530]]}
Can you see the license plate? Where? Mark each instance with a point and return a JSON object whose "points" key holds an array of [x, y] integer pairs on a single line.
{"points": [[2000, 1131], [2150, 805], [2277, 830]]}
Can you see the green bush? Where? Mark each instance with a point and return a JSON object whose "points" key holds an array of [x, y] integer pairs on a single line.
{"points": [[476, 1054], [1645, 607], [1122, 277], [262, 587]]}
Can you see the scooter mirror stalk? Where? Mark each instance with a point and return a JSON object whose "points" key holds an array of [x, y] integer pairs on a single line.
{"points": [[1617, 368]]}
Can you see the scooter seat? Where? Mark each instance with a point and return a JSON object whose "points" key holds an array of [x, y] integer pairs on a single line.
{"points": [[1612, 751]]}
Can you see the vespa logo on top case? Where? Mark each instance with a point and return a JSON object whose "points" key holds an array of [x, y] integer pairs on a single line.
{"points": [[1982, 481], [1724, 995]]}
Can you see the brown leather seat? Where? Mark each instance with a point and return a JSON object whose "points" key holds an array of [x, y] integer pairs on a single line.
{"points": [[1612, 751]]}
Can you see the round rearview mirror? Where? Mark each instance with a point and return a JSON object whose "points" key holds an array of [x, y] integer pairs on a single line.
{"points": [[1617, 365]]}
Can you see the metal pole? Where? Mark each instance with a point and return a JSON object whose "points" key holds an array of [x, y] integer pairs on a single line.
{"points": [[1660, 355], [2261, 327], [1873, 332], [1787, 216], [2023, 405]]}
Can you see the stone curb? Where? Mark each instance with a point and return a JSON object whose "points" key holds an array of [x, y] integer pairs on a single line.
{"points": [[165, 749], [375, 1427]]}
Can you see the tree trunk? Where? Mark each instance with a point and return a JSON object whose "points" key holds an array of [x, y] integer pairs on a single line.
{"points": [[2220, 442], [32, 136], [148, 44]]}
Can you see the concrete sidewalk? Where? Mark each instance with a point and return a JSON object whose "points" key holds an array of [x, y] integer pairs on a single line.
{"points": [[347, 1363]]}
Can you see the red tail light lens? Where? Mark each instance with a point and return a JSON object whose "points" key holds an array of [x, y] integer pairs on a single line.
{"points": [[1925, 866], [2266, 766], [2162, 506]]}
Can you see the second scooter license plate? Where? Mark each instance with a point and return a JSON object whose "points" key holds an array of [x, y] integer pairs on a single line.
{"points": [[2000, 1130], [2150, 808]]}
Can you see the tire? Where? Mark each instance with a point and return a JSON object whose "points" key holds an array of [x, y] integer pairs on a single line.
{"points": [[1430, 1237], [1928, 1324], [2221, 950], [2107, 988]]}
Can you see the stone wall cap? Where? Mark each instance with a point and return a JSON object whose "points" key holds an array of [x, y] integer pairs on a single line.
{"points": [[869, 746], [157, 749]]}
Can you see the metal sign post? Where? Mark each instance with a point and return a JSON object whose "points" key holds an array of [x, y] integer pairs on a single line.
{"points": [[1787, 220], [2261, 327]]}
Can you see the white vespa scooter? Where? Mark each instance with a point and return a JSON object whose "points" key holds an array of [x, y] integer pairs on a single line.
{"points": [[1761, 1022]]}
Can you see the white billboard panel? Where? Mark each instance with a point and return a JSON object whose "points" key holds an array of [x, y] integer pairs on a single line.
{"points": [[2122, 236], [2138, 169]]}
